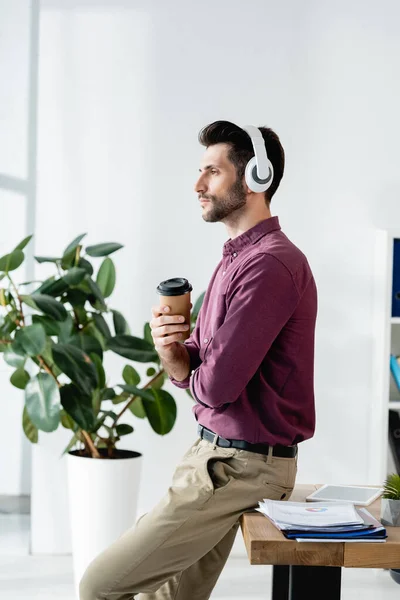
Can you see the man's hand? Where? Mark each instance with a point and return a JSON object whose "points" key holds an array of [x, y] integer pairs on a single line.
{"points": [[166, 331]]}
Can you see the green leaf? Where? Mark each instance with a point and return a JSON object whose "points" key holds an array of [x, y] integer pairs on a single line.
{"points": [[74, 276], [44, 259], [77, 365], [20, 378], [137, 409], [47, 354], [159, 381], [68, 260], [28, 300], [150, 372], [24, 243], [91, 329], [85, 264], [110, 413], [50, 326], [78, 405], [76, 297], [66, 420], [117, 399], [87, 344], [73, 245], [121, 326], [42, 400], [32, 339], [106, 277], [52, 287], [101, 375], [96, 292], [50, 306], [133, 348], [29, 428], [14, 358], [103, 249], [197, 306], [108, 394], [11, 261], [147, 334], [130, 375], [8, 324], [101, 325], [135, 391], [123, 429], [96, 401], [161, 413], [65, 330]]}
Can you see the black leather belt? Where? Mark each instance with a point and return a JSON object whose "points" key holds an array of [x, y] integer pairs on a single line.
{"points": [[282, 451]]}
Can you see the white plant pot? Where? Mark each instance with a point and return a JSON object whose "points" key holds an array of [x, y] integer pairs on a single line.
{"points": [[103, 503], [390, 512]]}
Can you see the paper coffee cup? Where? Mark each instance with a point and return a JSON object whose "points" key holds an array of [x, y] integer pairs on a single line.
{"points": [[175, 293]]}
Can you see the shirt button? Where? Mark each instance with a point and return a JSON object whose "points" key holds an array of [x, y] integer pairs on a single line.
{"points": [[223, 272], [206, 340], [234, 254]]}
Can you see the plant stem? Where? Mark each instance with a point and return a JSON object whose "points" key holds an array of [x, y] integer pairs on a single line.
{"points": [[95, 453], [47, 368], [18, 297], [127, 405]]}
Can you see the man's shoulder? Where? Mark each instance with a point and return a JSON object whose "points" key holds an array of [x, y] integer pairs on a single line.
{"points": [[278, 249]]}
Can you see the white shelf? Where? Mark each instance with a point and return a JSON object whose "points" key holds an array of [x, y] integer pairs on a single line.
{"points": [[386, 342]]}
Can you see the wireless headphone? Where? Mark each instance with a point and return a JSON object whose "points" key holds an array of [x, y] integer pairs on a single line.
{"points": [[259, 172]]}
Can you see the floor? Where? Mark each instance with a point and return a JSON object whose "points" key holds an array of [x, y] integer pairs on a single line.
{"points": [[25, 577]]}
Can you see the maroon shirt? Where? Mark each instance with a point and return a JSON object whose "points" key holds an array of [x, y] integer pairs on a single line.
{"points": [[252, 350]]}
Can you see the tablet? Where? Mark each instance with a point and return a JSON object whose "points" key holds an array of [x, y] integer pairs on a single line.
{"points": [[362, 496]]}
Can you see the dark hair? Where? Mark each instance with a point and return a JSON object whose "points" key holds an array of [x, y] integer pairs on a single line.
{"points": [[241, 148]]}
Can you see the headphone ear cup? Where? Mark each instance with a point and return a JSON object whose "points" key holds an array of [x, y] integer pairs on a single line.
{"points": [[253, 181]]}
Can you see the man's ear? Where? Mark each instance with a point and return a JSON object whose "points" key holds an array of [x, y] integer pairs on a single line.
{"points": [[246, 188]]}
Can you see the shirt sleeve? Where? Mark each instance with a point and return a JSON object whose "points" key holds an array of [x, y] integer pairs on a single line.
{"points": [[192, 345], [260, 300]]}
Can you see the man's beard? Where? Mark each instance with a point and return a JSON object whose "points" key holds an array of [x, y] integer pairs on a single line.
{"points": [[221, 207]]}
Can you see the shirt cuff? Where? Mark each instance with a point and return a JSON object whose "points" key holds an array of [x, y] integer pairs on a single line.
{"points": [[182, 384]]}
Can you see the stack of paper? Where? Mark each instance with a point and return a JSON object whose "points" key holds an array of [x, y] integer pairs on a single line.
{"points": [[327, 521]]}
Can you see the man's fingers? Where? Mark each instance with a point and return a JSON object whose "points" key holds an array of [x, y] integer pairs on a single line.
{"points": [[160, 310]]}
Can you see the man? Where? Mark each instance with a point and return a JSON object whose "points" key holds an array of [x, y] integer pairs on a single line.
{"points": [[249, 364]]}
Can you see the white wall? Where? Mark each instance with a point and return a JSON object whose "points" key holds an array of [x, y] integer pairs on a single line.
{"points": [[14, 215], [124, 89]]}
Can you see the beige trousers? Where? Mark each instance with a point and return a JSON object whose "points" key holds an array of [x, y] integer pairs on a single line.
{"points": [[178, 550]]}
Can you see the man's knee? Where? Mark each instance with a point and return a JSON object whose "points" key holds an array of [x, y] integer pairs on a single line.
{"points": [[90, 588]]}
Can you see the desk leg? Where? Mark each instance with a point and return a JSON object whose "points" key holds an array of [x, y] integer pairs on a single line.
{"points": [[280, 582], [313, 583]]}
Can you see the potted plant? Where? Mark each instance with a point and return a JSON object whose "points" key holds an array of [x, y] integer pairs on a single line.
{"points": [[54, 333], [390, 503]]}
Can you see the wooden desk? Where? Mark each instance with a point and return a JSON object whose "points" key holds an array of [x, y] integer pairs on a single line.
{"points": [[308, 571]]}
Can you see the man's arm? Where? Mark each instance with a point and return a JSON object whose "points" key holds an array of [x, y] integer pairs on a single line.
{"points": [[178, 366], [260, 300], [188, 360]]}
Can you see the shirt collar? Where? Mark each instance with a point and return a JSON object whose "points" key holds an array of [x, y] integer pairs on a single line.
{"points": [[251, 236]]}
